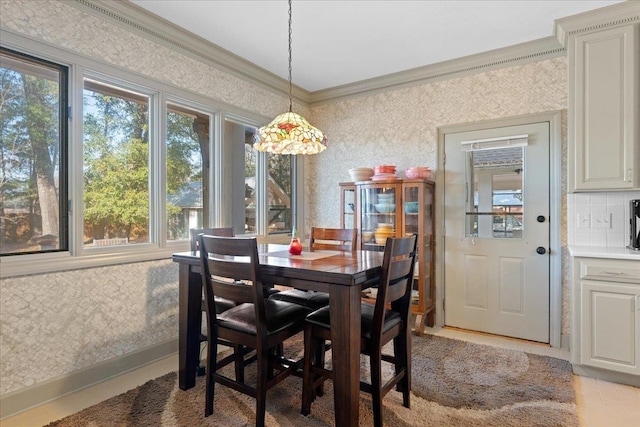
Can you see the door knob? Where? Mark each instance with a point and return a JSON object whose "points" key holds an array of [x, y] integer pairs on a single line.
{"points": [[540, 218], [540, 250]]}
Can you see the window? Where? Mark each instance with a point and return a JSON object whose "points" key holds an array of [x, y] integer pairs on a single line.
{"points": [[116, 151], [262, 200], [188, 172], [143, 163], [242, 173], [33, 155], [280, 193]]}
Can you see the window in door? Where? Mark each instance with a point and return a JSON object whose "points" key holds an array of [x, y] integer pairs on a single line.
{"points": [[494, 179]]}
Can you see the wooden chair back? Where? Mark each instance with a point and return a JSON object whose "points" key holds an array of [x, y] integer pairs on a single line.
{"points": [[230, 269], [338, 239], [396, 280], [216, 231]]}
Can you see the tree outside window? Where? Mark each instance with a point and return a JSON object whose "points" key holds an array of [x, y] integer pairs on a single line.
{"points": [[33, 129], [116, 165]]}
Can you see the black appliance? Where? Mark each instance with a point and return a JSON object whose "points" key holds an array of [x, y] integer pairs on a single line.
{"points": [[634, 224]]}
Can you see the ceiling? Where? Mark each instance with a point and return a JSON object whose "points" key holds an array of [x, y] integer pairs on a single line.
{"points": [[341, 42]]}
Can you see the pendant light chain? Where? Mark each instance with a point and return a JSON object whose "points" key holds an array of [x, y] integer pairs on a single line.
{"points": [[290, 133], [290, 98]]}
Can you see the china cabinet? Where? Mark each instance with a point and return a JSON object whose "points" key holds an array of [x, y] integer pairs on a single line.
{"points": [[396, 208], [604, 77], [606, 327]]}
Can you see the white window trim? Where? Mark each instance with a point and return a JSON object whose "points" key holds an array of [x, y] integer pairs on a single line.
{"points": [[79, 257]]}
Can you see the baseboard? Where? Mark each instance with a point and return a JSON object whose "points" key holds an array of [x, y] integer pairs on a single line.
{"points": [[21, 400], [606, 375]]}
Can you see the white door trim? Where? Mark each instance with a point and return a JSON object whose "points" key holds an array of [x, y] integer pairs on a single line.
{"points": [[555, 210]]}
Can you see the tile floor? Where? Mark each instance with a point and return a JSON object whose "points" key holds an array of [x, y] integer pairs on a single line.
{"points": [[600, 403]]}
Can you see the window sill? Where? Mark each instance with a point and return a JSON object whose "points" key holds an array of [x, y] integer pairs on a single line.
{"points": [[25, 265]]}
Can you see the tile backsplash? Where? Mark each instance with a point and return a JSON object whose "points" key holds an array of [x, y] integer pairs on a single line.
{"points": [[599, 219]]}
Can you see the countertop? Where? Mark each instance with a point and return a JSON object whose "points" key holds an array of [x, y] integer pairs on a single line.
{"points": [[604, 252]]}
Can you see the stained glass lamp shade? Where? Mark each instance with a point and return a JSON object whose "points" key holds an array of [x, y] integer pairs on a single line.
{"points": [[290, 133]]}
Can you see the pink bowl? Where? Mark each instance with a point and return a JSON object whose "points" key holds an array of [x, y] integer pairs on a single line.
{"points": [[418, 173], [384, 169]]}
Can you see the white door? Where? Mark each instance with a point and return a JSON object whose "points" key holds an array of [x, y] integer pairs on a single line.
{"points": [[496, 198]]}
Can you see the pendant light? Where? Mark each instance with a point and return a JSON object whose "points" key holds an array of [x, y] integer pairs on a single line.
{"points": [[290, 133]]}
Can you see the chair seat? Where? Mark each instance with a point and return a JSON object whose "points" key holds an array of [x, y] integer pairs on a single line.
{"points": [[311, 299], [223, 304], [321, 318], [280, 315]]}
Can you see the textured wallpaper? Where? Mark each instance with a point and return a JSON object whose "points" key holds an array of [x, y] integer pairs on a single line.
{"points": [[400, 127], [54, 324]]}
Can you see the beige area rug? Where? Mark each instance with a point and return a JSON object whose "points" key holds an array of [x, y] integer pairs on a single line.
{"points": [[455, 383]]}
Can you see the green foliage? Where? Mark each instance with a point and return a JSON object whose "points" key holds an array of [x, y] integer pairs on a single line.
{"points": [[116, 166], [183, 165], [116, 190]]}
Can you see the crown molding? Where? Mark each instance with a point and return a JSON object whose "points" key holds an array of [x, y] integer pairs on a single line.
{"points": [[140, 21], [136, 19], [523, 53], [606, 17]]}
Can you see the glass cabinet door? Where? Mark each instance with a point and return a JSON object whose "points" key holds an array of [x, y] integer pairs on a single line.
{"points": [[417, 213], [348, 205], [379, 217]]}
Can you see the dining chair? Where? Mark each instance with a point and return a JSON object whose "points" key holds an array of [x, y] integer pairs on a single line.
{"points": [[221, 304], [231, 270], [386, 320], [339, 239]]}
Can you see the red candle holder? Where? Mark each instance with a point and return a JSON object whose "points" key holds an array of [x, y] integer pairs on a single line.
{"points": [[295, 247]]}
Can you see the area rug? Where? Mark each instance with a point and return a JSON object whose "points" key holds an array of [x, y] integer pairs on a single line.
{"points": [[454, 383]]}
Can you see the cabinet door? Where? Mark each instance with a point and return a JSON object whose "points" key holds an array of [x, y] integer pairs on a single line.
{"points": [[348, 205], [417, 219], [379, 218], [610, 335], [603, 85]]}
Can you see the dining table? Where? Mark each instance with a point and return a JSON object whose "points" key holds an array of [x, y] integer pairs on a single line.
{"points": [[342, 274]]}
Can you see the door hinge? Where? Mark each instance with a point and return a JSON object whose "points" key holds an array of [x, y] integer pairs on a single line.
{"points": [[444, 159]]}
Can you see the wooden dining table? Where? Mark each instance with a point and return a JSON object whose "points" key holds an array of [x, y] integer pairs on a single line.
{"points": [[341, 274]]}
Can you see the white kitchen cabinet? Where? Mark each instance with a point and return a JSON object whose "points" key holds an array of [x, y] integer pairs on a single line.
{"points": [[604, 79], [606, 322]]}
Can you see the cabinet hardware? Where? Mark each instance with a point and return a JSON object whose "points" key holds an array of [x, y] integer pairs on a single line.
{"points": [[614, 273]]}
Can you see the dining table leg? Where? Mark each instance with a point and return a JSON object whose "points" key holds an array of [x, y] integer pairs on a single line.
{"points": [[345, 346], [189, 318]]}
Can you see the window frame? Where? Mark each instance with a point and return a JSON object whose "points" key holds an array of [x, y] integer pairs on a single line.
{"points": [[153, 154], [63, 71], [76, 257]]}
